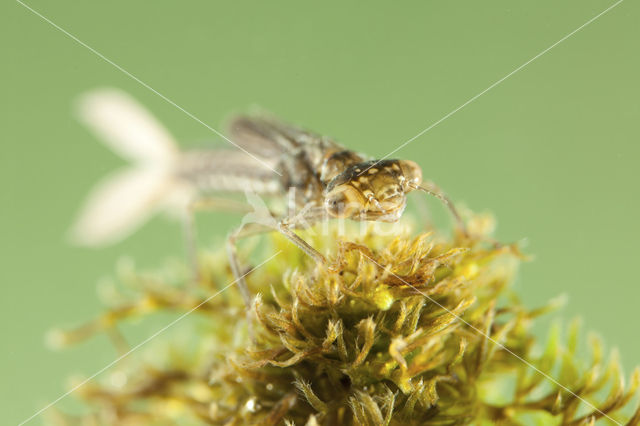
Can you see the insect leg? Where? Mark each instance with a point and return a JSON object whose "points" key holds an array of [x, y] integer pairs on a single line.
{"points": [[190, 240], [190, 231], [431, 189], [285, 229], [306, 218], [232, 253], [244, 230]]}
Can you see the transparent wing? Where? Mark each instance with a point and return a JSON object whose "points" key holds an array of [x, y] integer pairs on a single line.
{"points": [[126, 127], [267, 137], [118, 205]]}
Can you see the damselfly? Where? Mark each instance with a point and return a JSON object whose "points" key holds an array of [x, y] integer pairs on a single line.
{"points": [[319, 177]]}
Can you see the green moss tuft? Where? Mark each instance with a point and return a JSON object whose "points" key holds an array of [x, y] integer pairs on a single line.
{"points": [[399, 330]]}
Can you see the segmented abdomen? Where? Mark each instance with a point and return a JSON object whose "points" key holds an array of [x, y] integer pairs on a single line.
{"points": [[229, 171]]}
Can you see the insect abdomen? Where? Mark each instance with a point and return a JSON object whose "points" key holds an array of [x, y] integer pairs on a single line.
{"points": [[227, 171]]}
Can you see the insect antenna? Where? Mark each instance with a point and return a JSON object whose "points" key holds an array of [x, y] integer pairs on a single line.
{"points": [[433, 190]]}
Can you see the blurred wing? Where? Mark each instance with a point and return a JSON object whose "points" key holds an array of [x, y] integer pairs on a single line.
{"points": [[266, 137], [126, 127], [118, 205], [259, 137]]}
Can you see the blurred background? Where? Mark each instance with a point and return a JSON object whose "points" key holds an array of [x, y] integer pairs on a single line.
{"points": [[552, 151]]}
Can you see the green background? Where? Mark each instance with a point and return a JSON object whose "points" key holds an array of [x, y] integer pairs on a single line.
{"points": [[552, 151]]}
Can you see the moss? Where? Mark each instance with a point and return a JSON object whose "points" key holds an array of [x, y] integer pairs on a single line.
{"points": [[400, 329]]}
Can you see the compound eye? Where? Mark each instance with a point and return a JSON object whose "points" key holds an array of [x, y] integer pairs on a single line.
{"points": [[336, 204], [411, 172], [343, 201]]}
